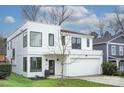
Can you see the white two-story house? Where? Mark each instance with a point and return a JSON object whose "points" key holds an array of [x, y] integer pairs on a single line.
{"points": [[36, 47]]}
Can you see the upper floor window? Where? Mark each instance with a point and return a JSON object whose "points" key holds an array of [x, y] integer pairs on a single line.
{"points": [[8, 45], [63, 40], [76, 43], [121, 50], [11, 44], [113, 50], [35, 39], [25, 39], [88, 42], [51, 39], [36, 64], [13, 53]]}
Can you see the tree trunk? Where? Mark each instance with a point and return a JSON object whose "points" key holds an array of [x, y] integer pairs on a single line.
{"points": [[62, 76]]}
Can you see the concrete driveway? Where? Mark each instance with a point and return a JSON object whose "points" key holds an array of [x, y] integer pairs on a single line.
{"points": [[111, 80]]}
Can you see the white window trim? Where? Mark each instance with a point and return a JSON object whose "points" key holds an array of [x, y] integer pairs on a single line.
{"points": [[121, 50], [113, 50]]}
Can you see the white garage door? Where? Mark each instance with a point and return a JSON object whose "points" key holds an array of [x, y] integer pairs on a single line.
{"points": [[80, 67]]}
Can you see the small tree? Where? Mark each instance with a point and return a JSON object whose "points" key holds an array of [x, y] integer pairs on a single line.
{"points": [[63, 40]]}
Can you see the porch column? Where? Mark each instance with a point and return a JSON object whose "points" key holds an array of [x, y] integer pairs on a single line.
{"points": [[117, 63], [28, 64]]}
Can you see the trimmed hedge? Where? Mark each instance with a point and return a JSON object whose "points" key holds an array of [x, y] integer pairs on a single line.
{"points": [[109, 68], [5, 70]]}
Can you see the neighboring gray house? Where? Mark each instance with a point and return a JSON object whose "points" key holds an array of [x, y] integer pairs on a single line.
{"points": [[113, 49]]}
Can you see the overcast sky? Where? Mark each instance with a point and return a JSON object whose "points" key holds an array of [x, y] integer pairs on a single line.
{"points": [[84, 16]]}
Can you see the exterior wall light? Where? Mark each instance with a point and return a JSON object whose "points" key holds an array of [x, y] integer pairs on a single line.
{"points": [[46, 59]]}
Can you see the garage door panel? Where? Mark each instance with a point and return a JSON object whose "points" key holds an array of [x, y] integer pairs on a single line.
{"points": [[79, 67]]}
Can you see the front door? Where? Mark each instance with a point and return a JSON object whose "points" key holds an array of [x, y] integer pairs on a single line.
{"points": [[52, 67]]}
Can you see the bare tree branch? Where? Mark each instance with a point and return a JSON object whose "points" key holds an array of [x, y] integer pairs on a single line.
{"points": [[30, 12], [55, 15]]}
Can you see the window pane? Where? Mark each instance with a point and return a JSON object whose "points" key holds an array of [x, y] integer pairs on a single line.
{"points": [[25, 40], [88, 42], [121, 50], [113, 50], [33, 63], [36, 39], [25, 64], [76, 43], [36, 64], [73, 40], [63, 40], [8, 45], [13, 54], [51, 39], [11, 44]]}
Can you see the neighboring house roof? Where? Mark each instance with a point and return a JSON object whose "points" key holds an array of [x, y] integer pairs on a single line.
{"points": [[74, 32], [106, 39], [68, 31]]}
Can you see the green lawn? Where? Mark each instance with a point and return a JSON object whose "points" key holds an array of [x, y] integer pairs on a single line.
{"points": [[20, 81]]}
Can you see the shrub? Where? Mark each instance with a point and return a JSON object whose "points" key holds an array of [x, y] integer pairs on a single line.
{"points": [[5, 70], [122, 73], [109, 68]]}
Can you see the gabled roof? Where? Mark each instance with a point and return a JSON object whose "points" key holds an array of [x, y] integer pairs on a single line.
{"points": [[106, 39]]}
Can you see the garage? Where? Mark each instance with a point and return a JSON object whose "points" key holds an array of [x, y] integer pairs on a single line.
{"points": [[83, 66]]}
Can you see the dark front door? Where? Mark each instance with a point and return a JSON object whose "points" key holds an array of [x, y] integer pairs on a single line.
{"points": [[52, 67]]}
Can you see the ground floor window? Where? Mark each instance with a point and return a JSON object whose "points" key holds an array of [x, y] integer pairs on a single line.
{"points": [[36, 64], [25, 64], [121, 66]]}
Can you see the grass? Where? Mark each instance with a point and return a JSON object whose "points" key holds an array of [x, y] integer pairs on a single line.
{"points": [[20, 81]]}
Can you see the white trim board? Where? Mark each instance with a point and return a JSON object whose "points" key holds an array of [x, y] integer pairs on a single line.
{"points": [[116, 43], [99, 43]]}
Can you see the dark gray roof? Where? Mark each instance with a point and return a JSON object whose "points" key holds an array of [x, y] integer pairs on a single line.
{"points": [[101, 40], [105, 39], [74, 32]]}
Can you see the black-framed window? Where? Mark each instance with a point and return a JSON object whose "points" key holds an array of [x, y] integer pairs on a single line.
{"points": [[51, 39], [8, 45], [35, 39], [63, 40], [36, 64], [13, 53], [25, 40], [25, 64], [11, 44], [88, 42], [76, 43]]}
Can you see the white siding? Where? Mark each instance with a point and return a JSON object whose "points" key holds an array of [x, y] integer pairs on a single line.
{"points": [[46, 52]]}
